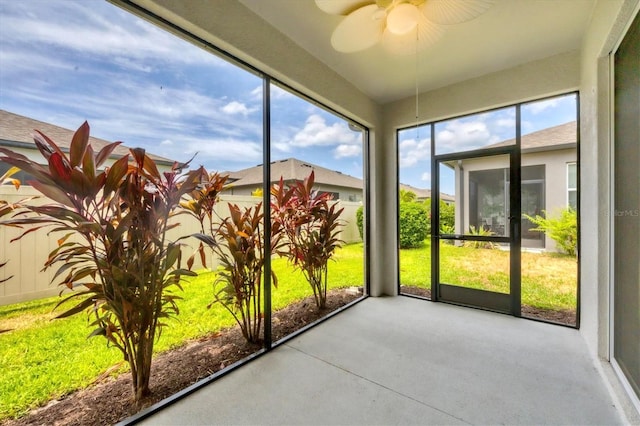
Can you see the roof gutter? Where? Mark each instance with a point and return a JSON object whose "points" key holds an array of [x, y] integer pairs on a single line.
{"points": [[30, 146]]}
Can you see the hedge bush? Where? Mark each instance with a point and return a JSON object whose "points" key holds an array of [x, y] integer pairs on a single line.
{"points": [[360, 220], [447, 216], [415, 221], [413, 225]]}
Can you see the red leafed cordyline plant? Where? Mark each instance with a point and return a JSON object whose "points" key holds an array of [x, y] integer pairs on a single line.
{"points": [[201, 201], [113, 251], [238, 242], [311, 225], [238, 285]]}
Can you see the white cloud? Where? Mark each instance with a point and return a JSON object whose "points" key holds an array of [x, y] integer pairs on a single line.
{"points": [[256, 93], [235, 107], [527, 126], [540, 106], [20, 62], [507, 123], [166, 142], [461, 135], [281, 146], [411, 151], [133, 65], [136, 110], [426, 177], [344, 151], [316, 132], [276, 93], [218, 151], [97, 29], [215, 153]]}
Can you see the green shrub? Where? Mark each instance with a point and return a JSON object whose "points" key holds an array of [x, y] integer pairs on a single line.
{"points": [[360, 220], [413, 225], [447, 229], [447, 216], [480, 231], [407, 196], [563, 229]]}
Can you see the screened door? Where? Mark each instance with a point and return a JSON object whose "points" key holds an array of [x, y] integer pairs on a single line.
{"points": [[477, 263]]}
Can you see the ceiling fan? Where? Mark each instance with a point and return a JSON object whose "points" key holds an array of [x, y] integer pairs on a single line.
{"points": [[401, 26]]}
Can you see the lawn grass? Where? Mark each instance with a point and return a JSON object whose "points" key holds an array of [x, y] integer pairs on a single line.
{"points": [[549, 280], [42, 359]]}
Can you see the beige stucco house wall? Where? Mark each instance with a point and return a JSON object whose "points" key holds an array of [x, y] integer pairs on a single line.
{"points": [[555, 164]]}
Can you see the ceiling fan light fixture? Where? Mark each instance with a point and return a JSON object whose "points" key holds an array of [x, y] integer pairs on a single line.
{"points": [[379, 14], [357, 31], [426, 32], [402, 18], [401, 26]]}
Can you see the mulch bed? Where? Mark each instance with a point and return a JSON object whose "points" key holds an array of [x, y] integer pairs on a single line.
{"points": [[564, 317], [110, 399]]}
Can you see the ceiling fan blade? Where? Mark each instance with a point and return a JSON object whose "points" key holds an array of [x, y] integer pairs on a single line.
{"points": [[427, 35], [448, 12], [358, 31], [341, 7]]}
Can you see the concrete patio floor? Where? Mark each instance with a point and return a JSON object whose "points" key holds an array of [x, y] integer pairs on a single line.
{"points": [[405, 361]]}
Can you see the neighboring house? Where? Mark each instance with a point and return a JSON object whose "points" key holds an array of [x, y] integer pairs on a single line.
{"points": [[342, 186], [424, 194], [16, 134], [548, 184]]}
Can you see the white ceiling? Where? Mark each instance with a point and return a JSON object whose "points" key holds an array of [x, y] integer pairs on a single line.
{"points": [[512, 32]]}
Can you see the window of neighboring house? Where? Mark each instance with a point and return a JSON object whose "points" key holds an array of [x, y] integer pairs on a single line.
{"points": [[23, 177], [572, 185]]}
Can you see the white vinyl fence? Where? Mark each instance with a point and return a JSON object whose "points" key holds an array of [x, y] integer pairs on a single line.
{"points": [[26, 257]]}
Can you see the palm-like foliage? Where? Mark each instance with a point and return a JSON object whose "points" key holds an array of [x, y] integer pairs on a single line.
{"points": [[113, 250], [238, 243], [311, 225], [481, 232], [239, 280], [562, 227]]}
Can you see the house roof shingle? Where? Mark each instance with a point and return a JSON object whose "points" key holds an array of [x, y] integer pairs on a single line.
{"points": [[423, 193], [293, 169], [19, 129], [556, 137]]}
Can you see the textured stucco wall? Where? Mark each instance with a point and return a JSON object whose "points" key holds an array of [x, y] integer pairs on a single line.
{"points": [[607, 27], [555, 196], [610, 20]]}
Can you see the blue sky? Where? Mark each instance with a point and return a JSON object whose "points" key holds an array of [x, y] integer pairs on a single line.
{"points": [[472, 132], [66, 61]]}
